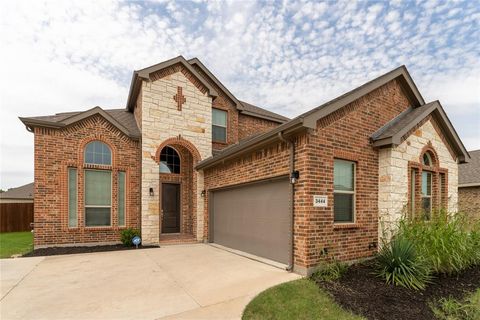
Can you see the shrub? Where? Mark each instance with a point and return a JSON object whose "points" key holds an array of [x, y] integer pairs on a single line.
{"points": [[451, 309], [398, 264], [127, 235], [330, 272], [445, 242]]}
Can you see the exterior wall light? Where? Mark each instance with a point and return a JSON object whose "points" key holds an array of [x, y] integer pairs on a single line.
{"points": [[294, 176], [151, 192], [203, 193]]}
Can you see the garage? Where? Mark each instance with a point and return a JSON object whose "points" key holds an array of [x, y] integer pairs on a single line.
{"points": [[254, 218]]}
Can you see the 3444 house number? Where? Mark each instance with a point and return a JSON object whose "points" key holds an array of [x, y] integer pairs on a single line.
{"points": [[320, 201]]}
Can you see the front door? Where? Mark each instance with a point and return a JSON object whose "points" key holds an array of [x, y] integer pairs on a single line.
{"points": [[171, 208]]}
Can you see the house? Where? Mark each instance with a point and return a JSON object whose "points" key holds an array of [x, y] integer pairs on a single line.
{"points": [[16, 209], [469, 185], [187, 161], [22, 194]]}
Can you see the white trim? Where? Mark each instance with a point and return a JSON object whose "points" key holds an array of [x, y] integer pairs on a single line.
{"points": [[466, 185]]}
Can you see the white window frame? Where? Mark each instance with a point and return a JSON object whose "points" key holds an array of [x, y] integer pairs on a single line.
{"points": [[354, 192], [90, 206], [216, 125]]}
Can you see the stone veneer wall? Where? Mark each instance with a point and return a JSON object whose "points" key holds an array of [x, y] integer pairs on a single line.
{"points": [[394, 173], [162, 120]]}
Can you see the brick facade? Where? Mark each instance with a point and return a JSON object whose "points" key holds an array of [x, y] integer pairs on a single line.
{"points": [[174, 108], [58, 149], [248, 126], [469, 201], [343, 134]]}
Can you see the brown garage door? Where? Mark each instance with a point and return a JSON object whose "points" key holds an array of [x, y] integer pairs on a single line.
{"points": [[254, 218]]}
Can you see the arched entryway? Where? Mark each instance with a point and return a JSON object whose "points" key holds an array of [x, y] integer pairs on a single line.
{"points": [[176, 158]]}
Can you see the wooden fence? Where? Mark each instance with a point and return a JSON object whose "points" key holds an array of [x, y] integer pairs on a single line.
{"points": [[16, 217]]}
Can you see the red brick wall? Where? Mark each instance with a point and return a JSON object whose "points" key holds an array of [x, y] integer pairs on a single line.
{"points": [[55, 151], [345, 135], [239, 126], [248, 125], [469, 201]]}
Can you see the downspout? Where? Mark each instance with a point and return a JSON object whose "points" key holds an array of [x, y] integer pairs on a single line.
{"points": [[292, 197]]}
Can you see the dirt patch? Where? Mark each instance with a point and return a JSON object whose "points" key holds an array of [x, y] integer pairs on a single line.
{"points": [[360, 291], [85, 249]]}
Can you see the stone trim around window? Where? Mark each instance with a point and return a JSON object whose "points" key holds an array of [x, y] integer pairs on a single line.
{"points": [[439, 194]]}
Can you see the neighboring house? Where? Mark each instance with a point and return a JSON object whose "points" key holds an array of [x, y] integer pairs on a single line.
{"points": [[469, 185], [16, 209], [22, 194], [187, 161]]}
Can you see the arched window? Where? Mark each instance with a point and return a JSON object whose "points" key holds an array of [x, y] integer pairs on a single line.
{"points": [[97, 152], [169, 161], [427, 159]]}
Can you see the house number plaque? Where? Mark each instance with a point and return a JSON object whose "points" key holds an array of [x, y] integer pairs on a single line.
{"points": [[320, 201]]}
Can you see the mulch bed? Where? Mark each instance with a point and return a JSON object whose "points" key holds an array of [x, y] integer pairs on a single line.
{"points": [[360, 291], [86, 249]]}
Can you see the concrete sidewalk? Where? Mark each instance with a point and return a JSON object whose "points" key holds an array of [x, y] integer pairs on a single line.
{"points": [[173, 282]]}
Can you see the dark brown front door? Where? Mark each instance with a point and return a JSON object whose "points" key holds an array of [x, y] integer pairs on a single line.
{"points": [[170, 208]]}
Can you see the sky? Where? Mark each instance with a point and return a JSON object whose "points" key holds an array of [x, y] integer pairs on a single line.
{"points": [[286, 56]]}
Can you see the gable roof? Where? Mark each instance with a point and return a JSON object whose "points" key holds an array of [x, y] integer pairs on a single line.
{"points": [[392, 132], [120, 118], [308, 120], [144, 74], [469, 173], [242, 107], [22, 192]]}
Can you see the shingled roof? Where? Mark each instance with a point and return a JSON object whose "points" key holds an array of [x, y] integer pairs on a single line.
{"points": [[120, 118], [393, 131], [308, 120], [24, 192], [469, 173]]}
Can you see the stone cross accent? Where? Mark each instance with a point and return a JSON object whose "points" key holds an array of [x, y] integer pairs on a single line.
{"points": [[179, 98]]}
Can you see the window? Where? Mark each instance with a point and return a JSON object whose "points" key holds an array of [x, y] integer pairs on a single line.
{"points": [[442, 191], [344, 191], [413, 191], [427, 159], [72, 198], [97, 152], [169, 161], [121, 198], [98, 198], [219, 125], [427, 193]]}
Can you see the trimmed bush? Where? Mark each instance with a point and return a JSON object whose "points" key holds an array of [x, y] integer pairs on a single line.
{"points": [[127, 235], [399, 264]]}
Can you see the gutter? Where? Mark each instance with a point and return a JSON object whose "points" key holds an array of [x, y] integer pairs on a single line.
{"points": [[292, 198]]}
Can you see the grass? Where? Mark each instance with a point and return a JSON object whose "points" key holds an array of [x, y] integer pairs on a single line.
{"points": [[451, 309], [15, 243], [299, 299]]}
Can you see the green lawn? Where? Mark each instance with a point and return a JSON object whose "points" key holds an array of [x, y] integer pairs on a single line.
{"points": [[299, 299], [15, 243]]}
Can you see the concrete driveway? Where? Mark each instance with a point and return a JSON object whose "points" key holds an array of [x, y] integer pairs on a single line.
{"points": [[173, 282]]}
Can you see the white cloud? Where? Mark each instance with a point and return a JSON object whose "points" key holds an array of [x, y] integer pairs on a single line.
{"points": [[60, 56]]}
